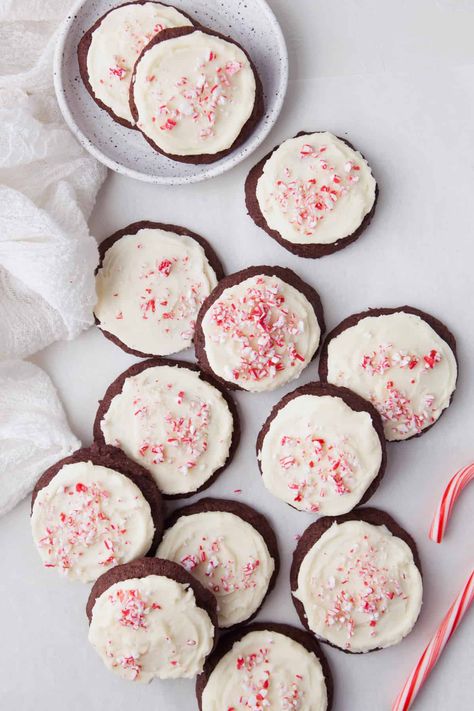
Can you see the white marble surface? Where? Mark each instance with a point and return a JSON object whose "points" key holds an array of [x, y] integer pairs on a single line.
{"points": [[398, 79]]}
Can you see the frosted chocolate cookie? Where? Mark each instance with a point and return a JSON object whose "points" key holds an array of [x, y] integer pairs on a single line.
{"points": [[266, 665], [173, 420], [322, 449], [151, 280], [356, 581], [230, 548], [151, 619], [314, 194], [402, 360], [94, 510], [109, 49], [195, 95], [259, 328]]}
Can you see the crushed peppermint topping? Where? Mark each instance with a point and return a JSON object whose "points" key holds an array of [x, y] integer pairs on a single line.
{"points": [[360, 591], [210, 562], [158, 301], [199, 101], [256, 679], [81, 523], [396, 407], [131, 665], [133, 609], [306, 202], [315, 468], [178, 436], [265, 328]]}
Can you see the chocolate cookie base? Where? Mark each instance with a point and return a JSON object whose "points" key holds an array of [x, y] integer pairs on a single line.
{"points": [[113, 458], [302, 249], [283, 273], [116, 387], [142, 568], [314, 532], [437, 326], [132, 229], [354, 401], [227, 642], [83, 50], [252, 517], [247, 128]]}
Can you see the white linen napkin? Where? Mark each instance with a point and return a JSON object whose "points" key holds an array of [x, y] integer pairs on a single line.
{"points": [[48, 185], [34, 433]]}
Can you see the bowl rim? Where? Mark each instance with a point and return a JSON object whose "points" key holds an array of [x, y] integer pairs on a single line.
{"points": [[213, 170]]}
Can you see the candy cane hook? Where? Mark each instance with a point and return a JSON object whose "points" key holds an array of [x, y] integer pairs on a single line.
{"points": [[459, 607], [445, 506]]}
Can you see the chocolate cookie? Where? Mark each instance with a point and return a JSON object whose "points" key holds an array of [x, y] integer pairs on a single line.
{"points": [[299, 194], [108, 51], [250, 650], [156, 598], [151, 280], [369, 594], [231, 549], [193, 123], [322, 449], [401, 359], [259, 328], [93, 510], [183, 461]]}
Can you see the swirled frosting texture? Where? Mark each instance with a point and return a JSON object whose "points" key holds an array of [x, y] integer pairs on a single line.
{"points": [[266, 669], [315, 189], [193, 94], [173, 423], [401, 365], [227, 555], [319, 455], [260, 333], [150, 627], [116, 44], [149, 290], [88, 519], [360, 587]]}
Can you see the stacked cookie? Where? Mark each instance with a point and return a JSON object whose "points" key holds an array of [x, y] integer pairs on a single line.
{"points": [[194, 94], [166, 583]]}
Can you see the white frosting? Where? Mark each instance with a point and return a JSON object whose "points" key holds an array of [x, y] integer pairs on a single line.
{"points": [[227, 555], [401, 365], [360, 587], [149, 290], [315, 189], [260, 333], [116, 45], [320, 455], [88, 519], [174, 424], [270, 665], [150, 627], [194, 94]]}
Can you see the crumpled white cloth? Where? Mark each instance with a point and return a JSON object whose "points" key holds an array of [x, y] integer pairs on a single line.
{"points": [[48, 185], [34, 433]]}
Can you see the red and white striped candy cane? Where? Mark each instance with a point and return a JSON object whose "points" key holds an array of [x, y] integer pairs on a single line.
{"points": [[433, 651], [445, 506]]}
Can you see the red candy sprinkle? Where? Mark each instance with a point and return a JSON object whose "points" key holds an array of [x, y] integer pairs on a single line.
{"points": [[307, 202], [263, 325]]}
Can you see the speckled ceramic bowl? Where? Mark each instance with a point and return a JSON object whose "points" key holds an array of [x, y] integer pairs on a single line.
{"points": [[249, 22]]}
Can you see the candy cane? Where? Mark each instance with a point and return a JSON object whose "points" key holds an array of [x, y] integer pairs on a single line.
{"points": [[445, 506], [434, 649]]}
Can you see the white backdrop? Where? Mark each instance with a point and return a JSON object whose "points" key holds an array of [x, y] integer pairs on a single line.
{"points": [[397, 79]]}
